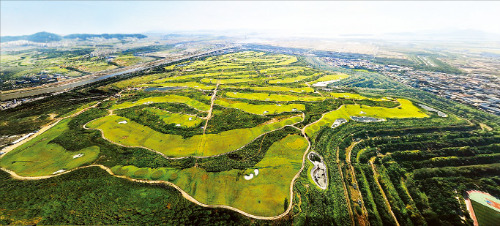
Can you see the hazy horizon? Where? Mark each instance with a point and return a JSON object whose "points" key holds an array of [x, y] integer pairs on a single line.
{"points": [[313, 19]]}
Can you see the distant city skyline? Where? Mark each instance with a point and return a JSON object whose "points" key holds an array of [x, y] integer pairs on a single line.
{"points": [[295, 18]]}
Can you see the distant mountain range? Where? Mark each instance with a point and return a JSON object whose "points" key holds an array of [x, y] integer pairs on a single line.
{"points": [[43, 37]]}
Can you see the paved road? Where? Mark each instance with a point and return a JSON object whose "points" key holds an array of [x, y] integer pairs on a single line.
{"points": [[73, 83]]}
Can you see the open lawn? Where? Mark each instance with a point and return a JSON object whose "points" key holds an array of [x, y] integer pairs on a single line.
{"points": [[260, 109], [39, 157], [165, 99], [405, 110], [137, 135], [263, 195]]}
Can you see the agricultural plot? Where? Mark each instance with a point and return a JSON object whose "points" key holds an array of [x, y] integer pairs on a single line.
{"points": [[165, 99], [260, 109], [272, 97], [263, 195], [405, 110], [40, 157], [129, 133], [178, 119]]}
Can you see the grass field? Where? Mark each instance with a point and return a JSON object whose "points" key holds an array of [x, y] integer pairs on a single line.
{"points": [[164, 99], [39, 157], [260, 109], [272, 97], [263, 195], [405, 110], [182, 120], [134, 134]]}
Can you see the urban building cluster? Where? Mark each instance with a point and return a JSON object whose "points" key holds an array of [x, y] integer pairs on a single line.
{"points": [[479, 90]]}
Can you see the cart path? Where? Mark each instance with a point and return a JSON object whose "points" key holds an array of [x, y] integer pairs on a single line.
{"points": [[214, 96]]}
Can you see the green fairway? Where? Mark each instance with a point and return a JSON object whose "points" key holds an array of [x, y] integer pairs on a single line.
{"points": [[226, 81], [330, 78], [137, 135], [176, 118], [405, 110], [288, 80], [194, 85], [39, 157], [263, 195], [260, 109], [272, 97], [274, 89], [164, 99]]}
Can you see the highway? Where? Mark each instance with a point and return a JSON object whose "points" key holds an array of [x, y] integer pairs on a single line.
{"points": [[84, 80]]}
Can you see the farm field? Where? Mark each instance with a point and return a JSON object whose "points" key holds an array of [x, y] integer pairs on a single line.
{"points": [[234, 136]]}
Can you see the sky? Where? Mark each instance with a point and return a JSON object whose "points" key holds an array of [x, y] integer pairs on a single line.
{"points": [[300, 18]]}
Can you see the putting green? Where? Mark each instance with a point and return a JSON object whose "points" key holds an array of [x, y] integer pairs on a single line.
{"points": [[137, 135], [176, 118], [164, 99], [39, 157], [263, 195], [405, 110], [260, 109]]}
